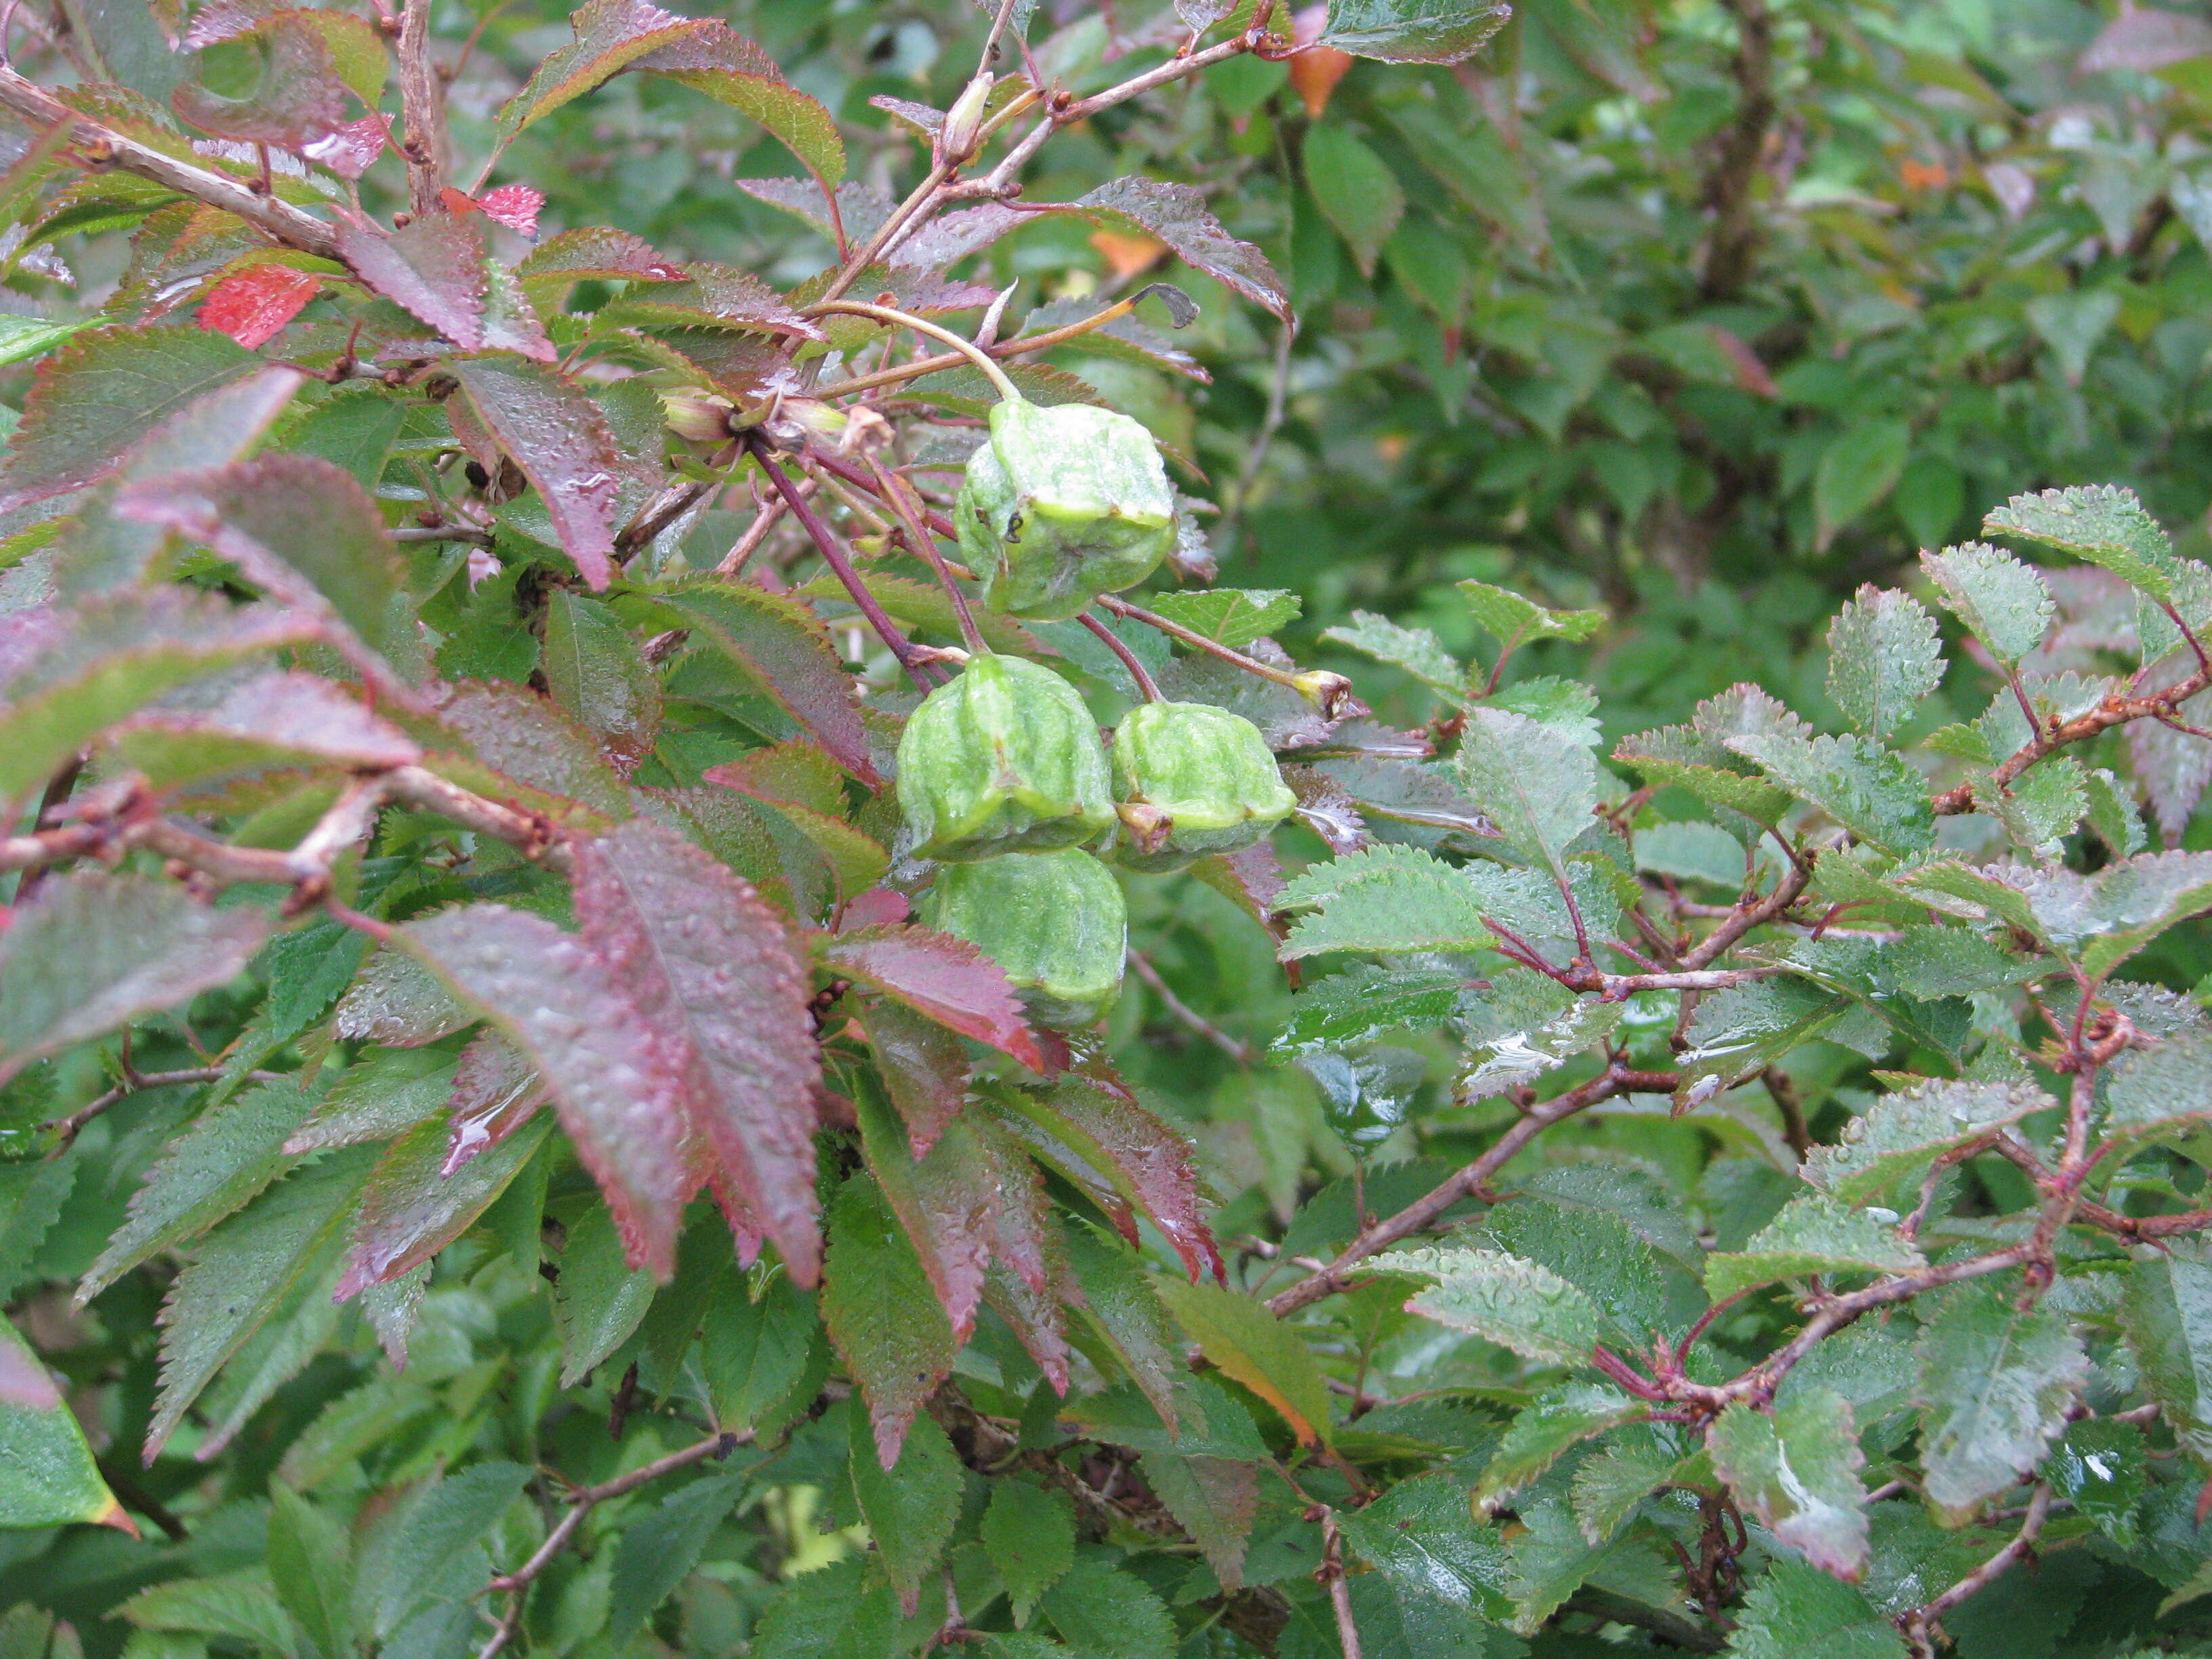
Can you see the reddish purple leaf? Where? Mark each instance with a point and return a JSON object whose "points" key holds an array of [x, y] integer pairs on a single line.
{"points": [[879, 907], [1178, 216], [252, 306], [610, 35], [1098, 1118], [923, 1067], [530, 740], [733, 71], [561, 440], [781, 644], [618, 1084], [607, 255], [495, 1091], [102, 393], [791, 774], [951, 238], [934, 974], [300, 98], [412, 1208], [945, 1202], [434, 267], [1250, 879], [352, 148], [515, 206], [302, 530], [273, 720], [713, 969]]}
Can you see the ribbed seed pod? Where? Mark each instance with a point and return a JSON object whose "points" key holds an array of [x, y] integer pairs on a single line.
{"points": [[1062, 504], [1192, 779], [1003, 759], [1056, 922]]}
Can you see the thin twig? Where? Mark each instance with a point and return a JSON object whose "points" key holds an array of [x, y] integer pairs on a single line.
{"points": [[95, 146], [1113, 641], [1242, 1052], [909, 656], [1278, 388], [1918, 1624], [581, 1502], [1469, 1182], [1339, 1590], [422, 100], [913, 527], [66, 1128]]}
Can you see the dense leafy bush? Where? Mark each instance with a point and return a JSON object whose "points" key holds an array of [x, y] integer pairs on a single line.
{"points": [[550, 1108]]}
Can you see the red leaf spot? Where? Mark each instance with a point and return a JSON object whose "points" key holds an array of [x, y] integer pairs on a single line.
{"points": [[254, 305]]}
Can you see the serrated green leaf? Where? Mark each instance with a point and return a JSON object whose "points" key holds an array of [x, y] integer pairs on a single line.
{"points": [[1814, 1234], [1795, 1611], [1214, 1499], [1104, 1612], [440, 1522], [1536, 783], [1412, 31], [1416, 650], [882, 1313], [1612, 1483], [2101, 523], [1503, 1299], [207, 1173], [1884, 658], [2102, 1467], [910, 1506], [599, 1299], [1513, 621], [1347, 1009], [1385, 898], [1543, 1431], [286, 1240], [2166, 1315], [1858, 468], [1422, 1533], [756, 1354], [242, 1605], [1996, 1384], [1235, 617], [2004, 604], [1029, 1535], [1354, 187], [595, 670], [1869, 790], [659, 1549], [1902, 1134], [104, 659], [1250, 1345], [1797, 1472], [311, 1564]]}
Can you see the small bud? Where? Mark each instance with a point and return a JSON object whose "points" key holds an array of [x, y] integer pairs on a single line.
{"points": [[963, 133], [696, 416], [1326, 691]]}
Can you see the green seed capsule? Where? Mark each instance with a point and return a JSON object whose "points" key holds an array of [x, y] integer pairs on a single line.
{"points": [[1192, 780], [1004, 759], [1056, 922], [1062, 504]]}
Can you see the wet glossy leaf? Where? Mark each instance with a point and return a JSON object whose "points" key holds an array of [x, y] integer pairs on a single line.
{"points": [[1030, 1535], [1516, 1304], [711, 972], [1996, 1385], [561, 440], [910, 1506], [610, 35], [1412, 31], [947, 980], [92, 951], [1797, 1472], [882, 1313], [621, 1096], [1249, 1344], [782, 647], [1177, 215], [252, 306], [101, 393]]}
